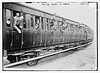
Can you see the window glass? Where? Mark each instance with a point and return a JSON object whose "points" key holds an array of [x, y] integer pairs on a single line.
{"points": [[28, 21], [68, 26], [59, 24], [42, 23], [37, 22], [50, 23], [32, 21], [8, 18], [47, 24], [24, 20]]}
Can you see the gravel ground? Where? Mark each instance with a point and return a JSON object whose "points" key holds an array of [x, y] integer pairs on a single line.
{"points": [[84, 59]]}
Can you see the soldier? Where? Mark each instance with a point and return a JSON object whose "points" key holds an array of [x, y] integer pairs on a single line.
{"points": [[37, 24], [17, 22], [53, 23]]}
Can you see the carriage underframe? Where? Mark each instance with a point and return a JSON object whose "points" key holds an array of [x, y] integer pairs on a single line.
{"points": [[31, 57]]}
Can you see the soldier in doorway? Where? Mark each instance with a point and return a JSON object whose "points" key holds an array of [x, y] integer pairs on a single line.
{"points": [[17, 22]]}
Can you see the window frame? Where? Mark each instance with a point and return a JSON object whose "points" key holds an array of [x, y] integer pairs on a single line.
{"points": [[35, 23], [9, 18], [47, 24], [24, 18], [32, 21], [24, 21], [42, 23]]}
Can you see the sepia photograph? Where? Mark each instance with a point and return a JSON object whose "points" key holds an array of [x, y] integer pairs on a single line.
{"points": [[49, 36]]}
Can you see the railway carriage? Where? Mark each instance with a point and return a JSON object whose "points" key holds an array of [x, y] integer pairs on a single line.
{"points": [[34, 38]]}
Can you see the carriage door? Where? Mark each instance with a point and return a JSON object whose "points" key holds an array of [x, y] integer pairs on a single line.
{"points": [[16, 35], [7, 29]]}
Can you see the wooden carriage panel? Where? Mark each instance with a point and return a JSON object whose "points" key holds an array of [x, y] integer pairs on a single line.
{"points": [[43, 38], [27, 33], [16, 40], [56, 36], [38, 13], [60, 36], [27, 10], [16, 7], [72, 22], [37, 36], [42, 14], [7, 5], [48, 38], [25, 38], [65, 33], [8, 39], [49, 16], [51, 38], [7, 34], [29, 37]]}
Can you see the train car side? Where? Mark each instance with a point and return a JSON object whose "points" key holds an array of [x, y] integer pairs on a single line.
{"points": [[38, 31]]}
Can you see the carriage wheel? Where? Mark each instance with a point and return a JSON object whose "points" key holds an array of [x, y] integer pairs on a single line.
{"points": [[33, 62]]}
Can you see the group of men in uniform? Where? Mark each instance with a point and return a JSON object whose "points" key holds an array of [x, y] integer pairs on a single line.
{"points": [[18, 22]]}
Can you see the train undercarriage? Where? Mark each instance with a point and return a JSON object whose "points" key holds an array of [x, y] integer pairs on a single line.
{"points": [[32, 56]]}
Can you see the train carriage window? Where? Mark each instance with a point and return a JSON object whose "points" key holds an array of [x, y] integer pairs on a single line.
{"points": [[47, 24], [32, 22], [8, 18], [68, 26], [76, 27], [62, 25], [20, 17], [24, 20], [28, 21], [44, 23], [58, 24], [53, 24], [72, 27], [14, 13], [37, 22], [42, 26]]}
